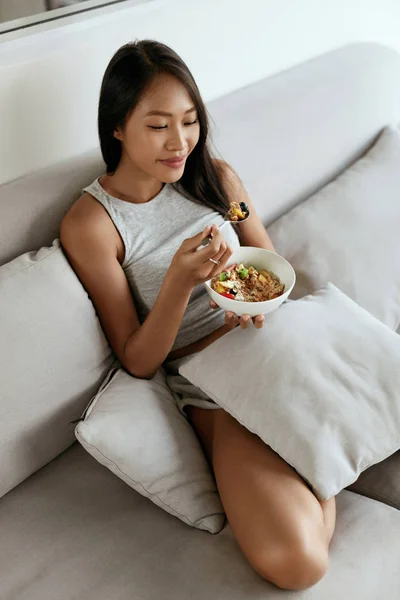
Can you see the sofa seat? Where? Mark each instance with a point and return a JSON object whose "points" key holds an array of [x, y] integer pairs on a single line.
{"points": [[75, 531]]}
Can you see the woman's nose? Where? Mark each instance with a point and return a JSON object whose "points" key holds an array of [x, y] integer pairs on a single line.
{"points": [[176, 142]]}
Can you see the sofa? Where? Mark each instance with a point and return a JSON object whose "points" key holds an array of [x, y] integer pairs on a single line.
{"points": [[70, 529]]}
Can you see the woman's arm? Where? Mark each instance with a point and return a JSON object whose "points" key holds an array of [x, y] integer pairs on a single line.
{"points": [[89, 245], [252, 232], [88, 238]]}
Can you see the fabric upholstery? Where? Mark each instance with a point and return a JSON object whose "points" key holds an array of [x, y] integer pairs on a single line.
{"points": [[319, 384], [134, 428], [74, 530], [348, 233], [381, 481], [32, 207], [286, 135], [289, 135], [53, 356]]}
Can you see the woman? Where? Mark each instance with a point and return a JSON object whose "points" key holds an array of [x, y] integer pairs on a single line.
{"points": [[133, 239]]}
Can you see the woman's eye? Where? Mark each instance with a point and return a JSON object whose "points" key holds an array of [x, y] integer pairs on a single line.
{"points": [[159, 127]]}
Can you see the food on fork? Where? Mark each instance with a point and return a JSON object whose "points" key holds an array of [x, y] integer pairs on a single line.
{"points": [[238, 211]]}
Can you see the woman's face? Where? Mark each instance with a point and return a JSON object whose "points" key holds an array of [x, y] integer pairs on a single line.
{"points": [[162, 131]]}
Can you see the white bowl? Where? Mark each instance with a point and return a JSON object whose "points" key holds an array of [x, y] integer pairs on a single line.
{"points": [[260, 259]]}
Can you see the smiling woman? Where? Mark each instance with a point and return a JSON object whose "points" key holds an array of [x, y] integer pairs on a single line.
{"points": [[155, 123], [133, 239], [174, 131]]}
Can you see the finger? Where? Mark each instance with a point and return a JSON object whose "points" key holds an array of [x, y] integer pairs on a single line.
{"points": [[258, 321], [231, 319], [213, 248], [194, 242], [245, 321], [218, 255], [215, 270], [224, 258], [213, 304], [228, 317], [212, 270]]}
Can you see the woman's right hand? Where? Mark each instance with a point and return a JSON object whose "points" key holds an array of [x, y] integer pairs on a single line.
{"points": [[191, 267]]}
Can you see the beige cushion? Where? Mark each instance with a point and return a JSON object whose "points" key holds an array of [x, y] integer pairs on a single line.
{"points": [[53, 355], [348, 233], [134, 428], [319, 384]]}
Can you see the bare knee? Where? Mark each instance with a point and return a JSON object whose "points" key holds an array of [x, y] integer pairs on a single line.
{"points": [[290, 568]]}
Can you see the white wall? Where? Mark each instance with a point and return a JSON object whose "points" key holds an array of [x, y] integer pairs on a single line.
{"points": [[49, 82]]}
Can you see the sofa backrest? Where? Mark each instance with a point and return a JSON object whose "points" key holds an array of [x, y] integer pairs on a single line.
{"points": [[286, 135], [290, 134]]}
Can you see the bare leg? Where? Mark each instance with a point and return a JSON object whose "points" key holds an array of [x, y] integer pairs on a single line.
{"points": [[329, 511], [281, 527]]}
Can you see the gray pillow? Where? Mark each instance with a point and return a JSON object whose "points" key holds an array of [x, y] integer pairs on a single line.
{"points": [[349, 233], [134, 428], [320, 384], [53, 356]]}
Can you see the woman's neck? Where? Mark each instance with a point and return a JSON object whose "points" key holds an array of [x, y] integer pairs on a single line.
{"points": [[132, 185]]}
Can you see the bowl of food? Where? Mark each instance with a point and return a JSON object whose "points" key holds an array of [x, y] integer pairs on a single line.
{"points": [[255, 282]]}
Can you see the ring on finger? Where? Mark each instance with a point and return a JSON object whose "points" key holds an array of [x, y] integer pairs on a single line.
{"points": [[216, 262]]}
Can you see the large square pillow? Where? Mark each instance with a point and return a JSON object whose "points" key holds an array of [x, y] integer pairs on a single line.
{"points": [[320, 384], [53, 357], [349, 233], [134, 428]]}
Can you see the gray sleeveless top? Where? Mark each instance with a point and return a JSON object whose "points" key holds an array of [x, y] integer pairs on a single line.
{"points": [[152, 232]]}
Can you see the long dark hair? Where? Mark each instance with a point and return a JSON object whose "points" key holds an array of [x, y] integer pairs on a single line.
{"points": [[126, 78]]}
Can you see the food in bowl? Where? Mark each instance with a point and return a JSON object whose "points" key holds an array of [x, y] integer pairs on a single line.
{"points": [[247, 284], [238, 211], [261, 259]]}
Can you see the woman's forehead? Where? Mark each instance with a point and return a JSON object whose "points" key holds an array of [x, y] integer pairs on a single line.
{"points": [[165, 93]]}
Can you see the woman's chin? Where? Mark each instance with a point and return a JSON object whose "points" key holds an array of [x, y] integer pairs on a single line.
{"points": [[172, 175]]}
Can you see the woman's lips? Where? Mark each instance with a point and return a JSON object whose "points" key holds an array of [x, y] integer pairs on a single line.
{"points": [[174, 162]]}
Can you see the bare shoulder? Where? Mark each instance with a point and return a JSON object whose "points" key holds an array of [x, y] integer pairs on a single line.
{"points": [[87, 225], [85, 211]]}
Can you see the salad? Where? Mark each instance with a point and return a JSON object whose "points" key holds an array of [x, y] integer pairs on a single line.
{"points": [[247, 284]]}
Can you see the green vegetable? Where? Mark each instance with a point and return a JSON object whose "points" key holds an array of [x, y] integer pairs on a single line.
{"points": [[243, 273], [223, 276]]}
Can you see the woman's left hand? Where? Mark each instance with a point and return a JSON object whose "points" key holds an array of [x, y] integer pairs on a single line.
{"points": [[243, 321]]}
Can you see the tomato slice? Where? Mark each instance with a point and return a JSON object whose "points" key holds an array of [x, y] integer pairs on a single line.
{"points": [[227, 295]]}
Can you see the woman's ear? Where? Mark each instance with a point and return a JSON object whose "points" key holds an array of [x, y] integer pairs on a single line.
{"points": [[117, 134]]}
